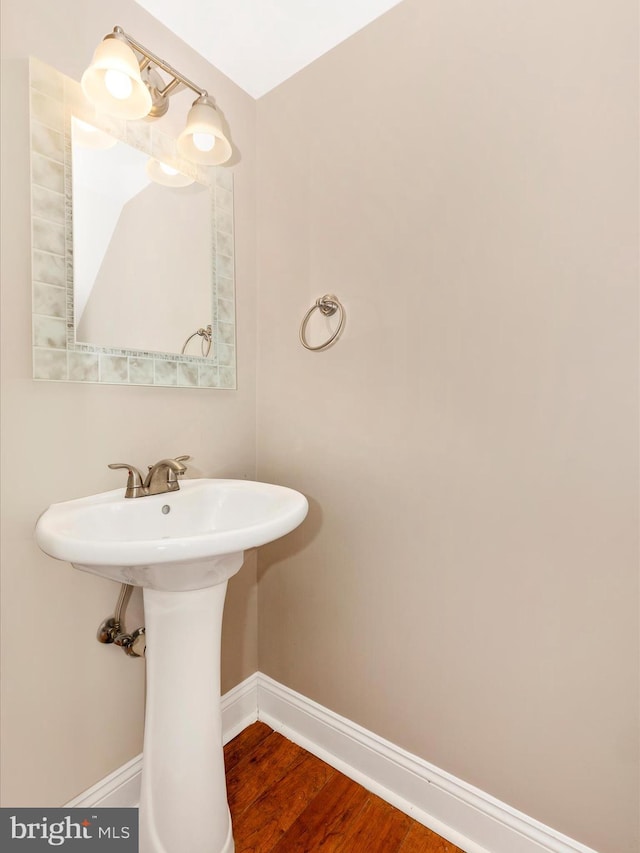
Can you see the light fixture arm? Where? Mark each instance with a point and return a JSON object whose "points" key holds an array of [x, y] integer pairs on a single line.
{"points": [[149, 57], [170, 87]]}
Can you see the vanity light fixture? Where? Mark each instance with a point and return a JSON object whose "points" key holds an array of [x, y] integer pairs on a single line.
{"points": [[202, 140], [123, 80], [113, 81]]}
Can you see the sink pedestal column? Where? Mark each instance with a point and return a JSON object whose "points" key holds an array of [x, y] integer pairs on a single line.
{"points": [[183, 803]]}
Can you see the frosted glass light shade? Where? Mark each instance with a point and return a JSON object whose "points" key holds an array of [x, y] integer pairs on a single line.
{"points": [[114, 61], [166, 175], [203, 140]]}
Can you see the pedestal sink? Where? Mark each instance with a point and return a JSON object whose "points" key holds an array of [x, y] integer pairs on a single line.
{"points": [[181, 547]]}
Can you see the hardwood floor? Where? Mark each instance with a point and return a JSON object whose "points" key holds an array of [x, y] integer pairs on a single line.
{"points": [[285, 800]]}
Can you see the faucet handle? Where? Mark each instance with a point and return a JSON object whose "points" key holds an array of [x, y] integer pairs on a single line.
{"points": [[135, 487]]}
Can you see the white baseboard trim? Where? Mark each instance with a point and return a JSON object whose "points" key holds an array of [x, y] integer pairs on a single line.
{"points": [[466, 816], [120, 789], [240, 707]]}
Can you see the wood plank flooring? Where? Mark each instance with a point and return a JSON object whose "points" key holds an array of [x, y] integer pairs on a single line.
{"points": [[285, 800]]}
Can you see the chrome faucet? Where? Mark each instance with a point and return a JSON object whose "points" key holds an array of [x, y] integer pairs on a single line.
{"points": [[162, 477]]}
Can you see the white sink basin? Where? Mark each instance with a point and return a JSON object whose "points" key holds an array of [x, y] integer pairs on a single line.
{"points": [[184, 540]]}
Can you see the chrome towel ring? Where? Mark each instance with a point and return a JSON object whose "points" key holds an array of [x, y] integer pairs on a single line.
{"points": [[327, 305]]}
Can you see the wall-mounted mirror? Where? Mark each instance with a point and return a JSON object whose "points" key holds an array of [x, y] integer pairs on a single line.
{"points": [[142, 260], [132, 250]]}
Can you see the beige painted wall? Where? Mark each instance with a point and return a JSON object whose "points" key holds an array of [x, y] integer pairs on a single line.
{"points": [[72, 709], [464, 177]]}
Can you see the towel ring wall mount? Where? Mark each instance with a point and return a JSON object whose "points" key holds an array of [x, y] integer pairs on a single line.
{"points": [[327, 305]]}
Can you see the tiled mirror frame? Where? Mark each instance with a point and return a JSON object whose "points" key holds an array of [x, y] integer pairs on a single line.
{"points": [[57, 356]]}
